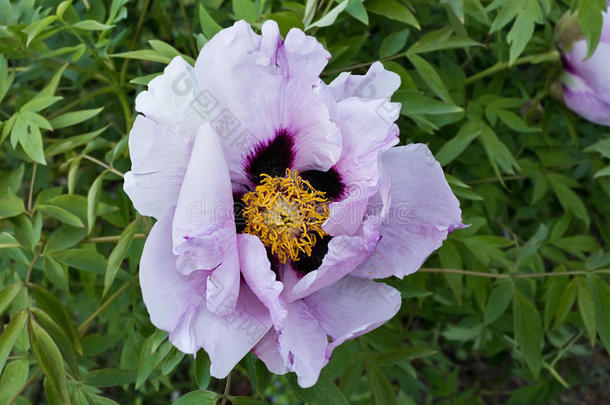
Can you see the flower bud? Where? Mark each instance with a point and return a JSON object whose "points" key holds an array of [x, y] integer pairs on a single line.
{"points": [[585, 82]]}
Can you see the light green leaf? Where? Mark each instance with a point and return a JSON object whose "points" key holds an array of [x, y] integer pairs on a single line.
{"points": [[9, 336], [91, 25], [74, 117], [118, 254]]}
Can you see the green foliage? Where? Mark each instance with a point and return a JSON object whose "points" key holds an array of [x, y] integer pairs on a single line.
{"points": [[513, 309]]}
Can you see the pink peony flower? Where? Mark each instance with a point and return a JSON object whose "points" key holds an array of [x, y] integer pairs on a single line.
{"points": [[586, 88], [279, 199]]}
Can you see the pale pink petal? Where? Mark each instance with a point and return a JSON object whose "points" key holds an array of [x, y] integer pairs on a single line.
{"points": [[423, 211]]}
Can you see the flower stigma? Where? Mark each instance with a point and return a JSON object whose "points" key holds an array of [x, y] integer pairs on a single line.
{"points": [[287, 214]]}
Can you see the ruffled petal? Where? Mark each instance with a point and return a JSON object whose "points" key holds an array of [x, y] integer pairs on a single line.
{"points": [[302, 344], [257, 273], [423, 210], [592, 71], [268, 351], [203, 230], [269, 91], [377, 83], [173, 99], [352, 307], [159, 157], [226, 339], [167, 294], [366, 134], [345, 253]]}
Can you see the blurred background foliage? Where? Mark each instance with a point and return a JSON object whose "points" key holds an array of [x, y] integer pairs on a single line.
{"points": [[513, 309]]}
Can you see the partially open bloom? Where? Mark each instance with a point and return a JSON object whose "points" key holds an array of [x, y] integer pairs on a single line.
{"points": [[279, 199], [586, 87]]}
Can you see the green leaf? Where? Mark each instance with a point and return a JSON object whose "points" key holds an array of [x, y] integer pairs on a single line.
{"points": [[392, 10], [245, 10], [8, 294], [382, 390], [324, 392], [93, 196], [208, 25], [416, 103], [569, 200], [52, 306], [430, 76], [151, 355], [498, 302], [393, 43], [91, 25], [600, 291], [9, 336], [441, 40], [523, 28], [61, 214], [74, 117], [36, 27], [10, 205], [14, 377], [40, 102], [31, 141], [586, 306], [118, 254], [197, 398], [82, 259], [143, 54], [528, 331], [330, 17], [591, 21], [109, 377], [202, 370], [246, 401], [49, 358], [452, 149]]}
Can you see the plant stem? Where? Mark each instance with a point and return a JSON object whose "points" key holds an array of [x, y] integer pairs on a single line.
{"points": [[550, 56], [83, 326], [99, 162], [506, 276], [110, 239], [225, 396]]}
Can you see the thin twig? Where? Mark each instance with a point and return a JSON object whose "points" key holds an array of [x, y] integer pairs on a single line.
{"points": [[225, 396], [104, 165], [31, 193], [506, 276], [23, 387], [532, 59], [83, 326], [111, 239]]}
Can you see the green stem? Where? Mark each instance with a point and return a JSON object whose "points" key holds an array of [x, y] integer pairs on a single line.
{"points": [[505, 276], [550, 56]]}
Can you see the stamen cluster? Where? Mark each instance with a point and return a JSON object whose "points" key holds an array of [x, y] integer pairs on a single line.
{"points": [[287, 214]]}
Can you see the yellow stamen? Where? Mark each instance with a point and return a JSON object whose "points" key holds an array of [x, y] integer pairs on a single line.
{"points": [[287, 214]]}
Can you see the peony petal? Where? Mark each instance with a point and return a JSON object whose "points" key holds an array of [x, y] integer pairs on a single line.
{"points": [[345, 253], [159, 157], [352, 307], [423, 211], [247, 116], [368, 130], [161, 282], [226, 339], [268, 351], [585, 101], [257, 273], [302, 344], [173, 99], [377, 83], [203, 229]]}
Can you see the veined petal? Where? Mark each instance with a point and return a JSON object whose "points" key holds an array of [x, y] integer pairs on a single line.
{"points": [[269, 92], [302, 343], [345, 253], [257, 273], [226, 339], [423, 211], [161, 282], [268, 351], [377, 83], [159, 157], [352, 307], [203, 229]]}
